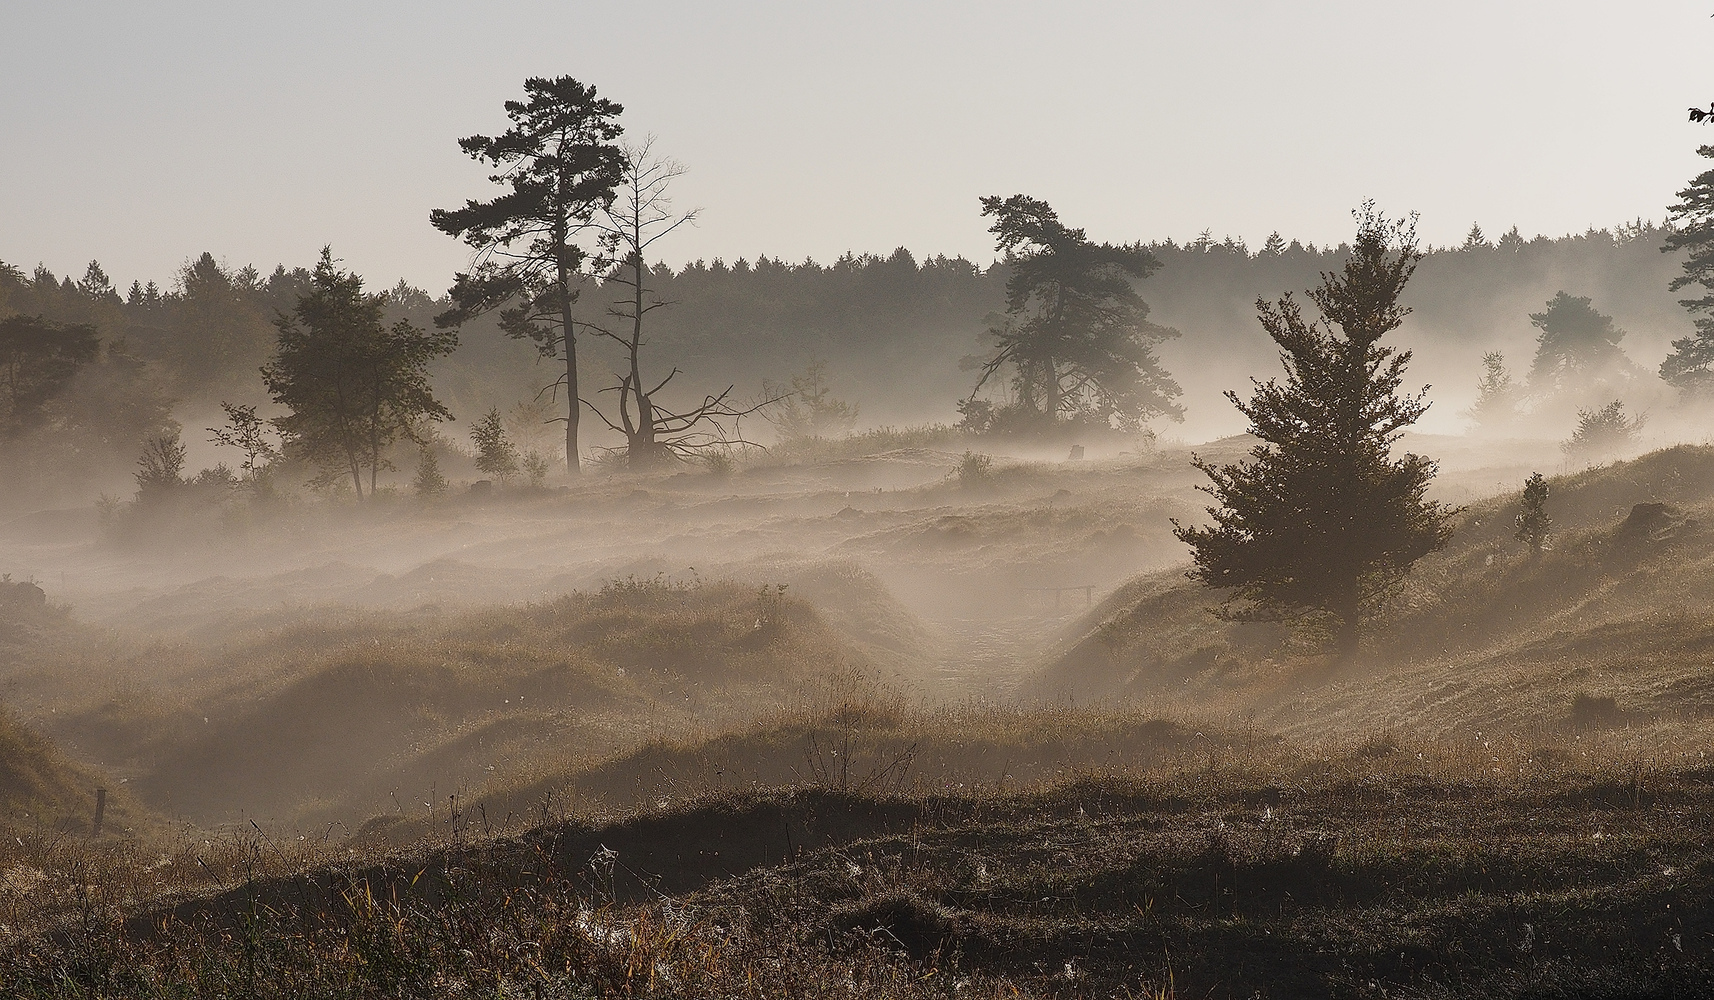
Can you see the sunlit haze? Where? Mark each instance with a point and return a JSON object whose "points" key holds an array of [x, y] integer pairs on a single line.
{"points": [[144, 134]]}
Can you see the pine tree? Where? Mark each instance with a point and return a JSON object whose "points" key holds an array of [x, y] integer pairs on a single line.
{"points": [[1076, 334], [1533, 522], [1275, 246], [1578, 345], [1690, 366], [1321, 525], [1474, 239], [353, 384]]}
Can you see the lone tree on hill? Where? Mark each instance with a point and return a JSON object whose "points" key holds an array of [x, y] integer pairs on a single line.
{"points": [[1690, 366], [1533, 522], [353, 384], [559, 160], [1076, 334], [1322, 524]]}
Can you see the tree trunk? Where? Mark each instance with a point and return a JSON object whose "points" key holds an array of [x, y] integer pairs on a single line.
{"points": [[640, 449], [573, 404]]}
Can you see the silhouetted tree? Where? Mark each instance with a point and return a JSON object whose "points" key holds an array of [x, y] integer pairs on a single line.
{"points": [[560, 164], [38, 359], [251, 435], [354, 385], [1578, 345], [160, 469], [1322, 524], [639, 216], [1690, 366], [1533, 522], [1076, 333]]}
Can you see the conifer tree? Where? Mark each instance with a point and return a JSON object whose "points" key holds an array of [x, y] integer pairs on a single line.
{"points": [[1690, 366], [1321, 524], [561, 167], [1533, 522]]}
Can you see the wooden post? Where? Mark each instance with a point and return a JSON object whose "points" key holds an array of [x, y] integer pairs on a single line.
{"points": [[100, 810]]}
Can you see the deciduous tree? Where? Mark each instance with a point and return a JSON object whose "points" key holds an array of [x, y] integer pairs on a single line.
{"points": [[353, 384]]}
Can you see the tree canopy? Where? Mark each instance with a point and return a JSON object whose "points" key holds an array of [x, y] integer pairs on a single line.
{"points": [[1322, 523], [1578, 345], [561, 168], [354, 385], [1076, 334], [38, 358]]}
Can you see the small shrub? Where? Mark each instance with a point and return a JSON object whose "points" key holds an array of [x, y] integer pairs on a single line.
{"points": [[160, 469], [428, 481], [720, 464], [536, 469], [1533, 522], [1603, 433], [975, 470]]}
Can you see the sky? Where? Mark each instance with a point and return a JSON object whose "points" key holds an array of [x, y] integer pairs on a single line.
{"points": [[141, 134]]}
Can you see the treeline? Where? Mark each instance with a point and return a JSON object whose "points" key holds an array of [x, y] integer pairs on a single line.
{"points": [[896, 333]]}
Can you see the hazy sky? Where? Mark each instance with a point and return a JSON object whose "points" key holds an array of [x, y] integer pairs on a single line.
{"points": [[144, 133]]}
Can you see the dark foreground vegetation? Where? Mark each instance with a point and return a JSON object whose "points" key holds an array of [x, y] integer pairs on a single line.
{"points": [[1380, 869]]}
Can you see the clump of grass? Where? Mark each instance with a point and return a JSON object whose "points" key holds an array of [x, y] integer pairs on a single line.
{"points": [[974, 471]]}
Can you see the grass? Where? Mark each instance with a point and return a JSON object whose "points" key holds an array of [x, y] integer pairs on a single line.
{"points": [[720, 789]]}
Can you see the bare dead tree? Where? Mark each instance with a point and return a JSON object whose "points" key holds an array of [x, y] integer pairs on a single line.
{"points": [[641, 215]]}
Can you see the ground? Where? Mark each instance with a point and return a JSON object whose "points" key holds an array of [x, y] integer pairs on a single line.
{"points": [[855, 719]]}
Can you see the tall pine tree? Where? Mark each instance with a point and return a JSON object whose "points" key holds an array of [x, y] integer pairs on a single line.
{"points": [[1322, 523], [1690, 366]]}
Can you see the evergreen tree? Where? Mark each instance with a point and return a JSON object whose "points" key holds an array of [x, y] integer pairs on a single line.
{"points": [[1275, 246], [1474, 239], [1533, 522], [1578, 345], [1690, 366], [1076, 333], [561, 166], [353, 384], [1322, 523]]}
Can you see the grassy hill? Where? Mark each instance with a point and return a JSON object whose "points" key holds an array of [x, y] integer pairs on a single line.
{"points": [[1484, 637]]}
